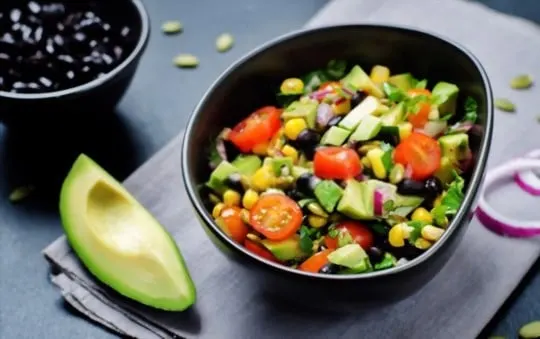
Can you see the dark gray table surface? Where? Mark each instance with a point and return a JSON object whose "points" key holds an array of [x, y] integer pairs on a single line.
{"points": [[154, 110]]}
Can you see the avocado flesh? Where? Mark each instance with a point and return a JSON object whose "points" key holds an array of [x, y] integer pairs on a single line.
{"points": [[445, 95], [120, 242], [335, 136], [284, 250], [305, 110], [359, 80], [369, 127], [247, 164], [402, 81]]}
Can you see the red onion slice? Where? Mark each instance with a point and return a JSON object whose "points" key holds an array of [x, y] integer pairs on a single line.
{"points": [[378, 203], [529, 180], [497, 222]]}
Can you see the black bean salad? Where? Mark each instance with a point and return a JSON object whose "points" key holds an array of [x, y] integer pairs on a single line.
{"points": [[47, 46], [350, 173]]}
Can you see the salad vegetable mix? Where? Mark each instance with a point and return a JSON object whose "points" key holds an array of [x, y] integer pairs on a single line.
{"points": [[351, 172]]}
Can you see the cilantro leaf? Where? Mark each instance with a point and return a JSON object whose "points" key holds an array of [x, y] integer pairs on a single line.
{"points": [[379, 228], [313, 80], [413, 104], [416, 231], [451, 200], [306, 244], [471, 109], [336, 69], [388, 261], [332, 231], [388, 205], [394, 93]]}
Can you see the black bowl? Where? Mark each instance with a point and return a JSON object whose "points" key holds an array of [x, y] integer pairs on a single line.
{"points": [[252, 82], [94, 97]]}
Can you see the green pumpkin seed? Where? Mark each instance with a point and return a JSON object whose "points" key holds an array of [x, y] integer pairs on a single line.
{"points": [[530, 330], [21, 193], [172, 27], [316, 209], [224, 42], [186, 61], [396, 174], [505, 105], [522, 81]]}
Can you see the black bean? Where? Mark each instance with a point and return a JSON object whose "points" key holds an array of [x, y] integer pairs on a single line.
{"points": [[329, 269], [234, 182], [375, 255], [15, 15], [306, 183], [411, 187], [294, 194], [307, 141], [357, 98], [433, 186], [34, 20]]}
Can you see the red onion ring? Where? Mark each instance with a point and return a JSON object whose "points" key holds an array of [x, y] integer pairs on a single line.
{"points": [[528, 180], [497, 222]]}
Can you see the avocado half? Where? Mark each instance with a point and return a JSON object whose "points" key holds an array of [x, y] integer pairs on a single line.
{"points": [[120, 242]]}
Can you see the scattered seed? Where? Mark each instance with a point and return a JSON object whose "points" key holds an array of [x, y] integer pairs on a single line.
{"points": [[224, 42], [172, 27], [522, 81], [538, 118], [20, 193], [505, 105], [186, 61], [530, 330]]}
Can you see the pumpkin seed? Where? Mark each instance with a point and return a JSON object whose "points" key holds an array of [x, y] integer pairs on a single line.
{"points": [[505, 105], [172, 27], [316, 209], [530, 330], [224, 42], [186, 61], [538, 118], [21, 193], [522, 81]]}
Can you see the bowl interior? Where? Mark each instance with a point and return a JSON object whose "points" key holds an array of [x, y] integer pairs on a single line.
{"points": [[254, 81]]}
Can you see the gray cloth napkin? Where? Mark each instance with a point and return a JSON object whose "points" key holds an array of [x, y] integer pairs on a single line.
{"points": [[456, 304]]}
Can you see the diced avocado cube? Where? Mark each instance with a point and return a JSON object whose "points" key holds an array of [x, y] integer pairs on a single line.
{"points": [[394, 116], [335, 136], [351, 256], [247, 164], [284, 250], [369, 127], [404, 81], [328, 194], [302, 109], [454, 146], [359, 80], [387, 262], [367, 107], [357, 201], [279, 163], [445, 173], [219, 176], [445, 97]]}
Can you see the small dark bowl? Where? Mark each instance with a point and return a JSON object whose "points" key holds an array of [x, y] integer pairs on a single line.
{"points": [[95, 97], [252, 82]]}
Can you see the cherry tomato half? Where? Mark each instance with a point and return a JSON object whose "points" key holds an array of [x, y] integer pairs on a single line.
{"points": [[360, 233], [259, 250], [330, 85], [336, 163], [231, 222], [256, 129], [420, 118], [421, 152], [276, 216], [314, 263]]}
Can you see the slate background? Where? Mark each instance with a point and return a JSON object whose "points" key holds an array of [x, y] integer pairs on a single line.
{"points": [[154, 110]]}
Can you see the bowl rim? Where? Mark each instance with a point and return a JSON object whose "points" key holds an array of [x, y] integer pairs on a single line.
{"points": [[139, 48], [465, 211]]}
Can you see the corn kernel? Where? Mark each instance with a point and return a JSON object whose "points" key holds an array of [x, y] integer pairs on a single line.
{"points": [[432, 233], [250, 198], [342, 107], [262, 179], [253, 237], [231, 198], [396, 236], [379, 74], [422, 244], [244, 215], [293, 127], [437, 201], [292, 86], [421, 214], [405, 130], [365, 162], [261, 149], [290, 152], [375, 158], [317, 221], [216, 211]]}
